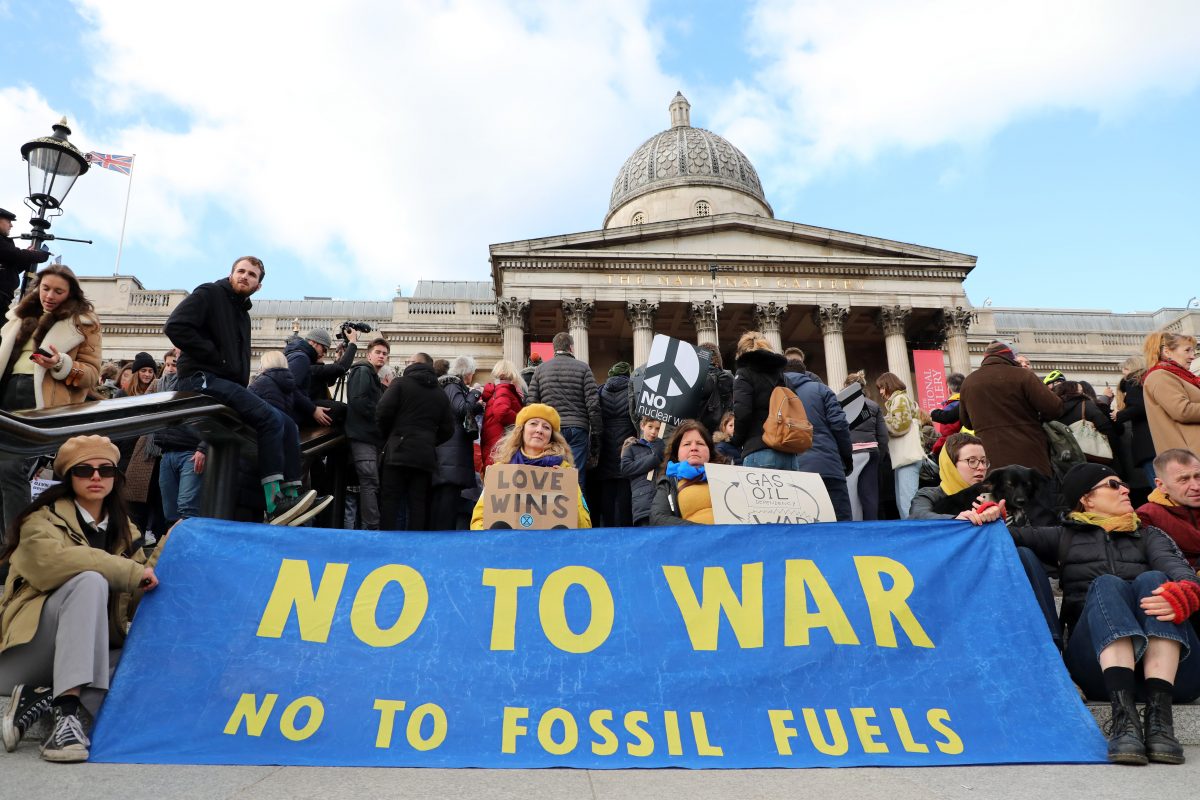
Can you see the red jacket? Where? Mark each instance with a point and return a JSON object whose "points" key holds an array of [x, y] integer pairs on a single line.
{"points": [[1179, 522], [501, 402]]}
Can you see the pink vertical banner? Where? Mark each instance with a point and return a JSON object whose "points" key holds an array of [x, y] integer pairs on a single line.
{"points": [[930, 377]]}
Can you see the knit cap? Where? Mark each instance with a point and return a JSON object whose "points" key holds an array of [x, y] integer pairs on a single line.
{"points": [[539, 411], [141, 361], [1080, 479], [619, 368]]}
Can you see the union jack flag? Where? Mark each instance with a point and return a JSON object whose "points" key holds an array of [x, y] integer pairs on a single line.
{"points": [[121, 164]]}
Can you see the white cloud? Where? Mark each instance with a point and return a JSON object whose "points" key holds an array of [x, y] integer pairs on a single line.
{"points": [[407, 135], [846, 81]]}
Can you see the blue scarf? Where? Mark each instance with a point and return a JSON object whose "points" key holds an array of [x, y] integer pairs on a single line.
{"points": [[519, 457], [682, 470]]}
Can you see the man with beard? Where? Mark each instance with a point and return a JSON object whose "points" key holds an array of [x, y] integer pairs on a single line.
{"points": [[211, 328]]}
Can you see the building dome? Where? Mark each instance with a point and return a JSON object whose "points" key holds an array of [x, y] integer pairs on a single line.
{"points": [[698, 161]]}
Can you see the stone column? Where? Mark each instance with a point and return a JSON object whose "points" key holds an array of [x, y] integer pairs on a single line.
{"points": [[579, 315], [511, 313], [769, 318], [892, 320], [955, 322], [641, 316], [703, 315], [831, 318]]}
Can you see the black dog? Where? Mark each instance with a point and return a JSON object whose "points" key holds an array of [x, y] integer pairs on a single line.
{"points": [[1027, 495]]}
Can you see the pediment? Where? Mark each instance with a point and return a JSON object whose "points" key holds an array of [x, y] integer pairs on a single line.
{"points": [[730, 236]]}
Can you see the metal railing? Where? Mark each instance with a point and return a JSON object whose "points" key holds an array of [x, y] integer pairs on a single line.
{"points": [[30, 433]]}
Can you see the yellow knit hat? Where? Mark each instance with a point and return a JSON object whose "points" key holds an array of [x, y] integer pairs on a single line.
{"points": [[539, 411], [78, 449]]}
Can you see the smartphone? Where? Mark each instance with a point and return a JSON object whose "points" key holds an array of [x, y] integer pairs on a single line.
{"points": [[43, 352]]}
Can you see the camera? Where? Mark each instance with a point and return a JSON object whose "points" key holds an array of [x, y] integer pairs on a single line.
{"points": [[361, 327]]}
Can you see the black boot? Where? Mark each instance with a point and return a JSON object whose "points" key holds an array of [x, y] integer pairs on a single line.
{"points": [[1161, 744], [1125, 743]]}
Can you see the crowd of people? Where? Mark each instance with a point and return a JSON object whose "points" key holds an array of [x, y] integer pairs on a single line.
{"points": [[1057, 461]]}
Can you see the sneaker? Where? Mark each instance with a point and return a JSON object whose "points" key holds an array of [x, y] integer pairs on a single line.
{"points": [[67, 743], [320, 504], [27, 706], [288, 508]]}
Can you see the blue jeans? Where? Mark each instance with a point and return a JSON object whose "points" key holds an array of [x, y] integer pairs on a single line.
{"points": [[580, 442], [179, 485], [278, 436], [770, 459], [907, 479], [1111, 612]]}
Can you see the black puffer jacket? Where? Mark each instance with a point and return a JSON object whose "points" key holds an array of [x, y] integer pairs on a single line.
{"points": [[278, 387], [1134, 412], [639, 461], [363, 391], [758, 373], [456, 455], [211, 328], [414, 416], [718, 397], [567, 384], [312, 377], [614, 409], [1084, 552]]}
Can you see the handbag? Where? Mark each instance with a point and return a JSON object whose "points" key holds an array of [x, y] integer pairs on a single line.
{"points": [[1093, 443]]}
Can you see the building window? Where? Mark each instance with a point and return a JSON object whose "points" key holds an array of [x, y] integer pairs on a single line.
{"points": [[702, 209], [638, 219]]}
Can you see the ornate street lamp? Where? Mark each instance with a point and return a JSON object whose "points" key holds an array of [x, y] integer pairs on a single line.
{"points": [[54, 164]]}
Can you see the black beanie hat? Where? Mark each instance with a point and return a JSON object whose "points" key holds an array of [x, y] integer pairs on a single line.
{"points": [[141, 361], [1080, 479]]}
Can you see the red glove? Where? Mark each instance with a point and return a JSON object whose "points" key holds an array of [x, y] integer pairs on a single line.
{"points": [[1184, 597], [990, 504]]}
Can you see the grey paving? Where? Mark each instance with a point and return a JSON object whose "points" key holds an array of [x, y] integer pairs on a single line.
{"points": [[23, 775]]}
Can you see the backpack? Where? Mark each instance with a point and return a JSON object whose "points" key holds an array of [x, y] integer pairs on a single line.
{"points": [[1064, 450], [718, 401], [787, 428]]}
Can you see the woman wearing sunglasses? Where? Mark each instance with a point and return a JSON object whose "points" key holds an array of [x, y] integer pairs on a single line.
{"points": [[76, 569], [1127, 595]]}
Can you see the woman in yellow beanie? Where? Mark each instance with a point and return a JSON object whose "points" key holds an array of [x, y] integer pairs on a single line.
{"points": [[76, 562], [535, 440]]}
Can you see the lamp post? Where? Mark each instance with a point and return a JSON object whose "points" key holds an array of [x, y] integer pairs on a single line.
{"points": [[54, 164]]}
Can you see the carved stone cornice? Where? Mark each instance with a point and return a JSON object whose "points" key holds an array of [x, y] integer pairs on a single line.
{"points": [[957, 320], [703, 314], [641, 314], [578, 312], [831, 318], [769, 316], [511, 311], [892, 319]]}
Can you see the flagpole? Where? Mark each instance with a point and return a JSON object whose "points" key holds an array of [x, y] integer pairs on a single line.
{"points": [[125, 216]]}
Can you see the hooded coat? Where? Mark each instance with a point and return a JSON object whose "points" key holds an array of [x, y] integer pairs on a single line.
{"points": [[501, 404], [758, 373], [1005, 405], [614, 410], [831, 454], [278, 387], [456, 455], [414, 416]]}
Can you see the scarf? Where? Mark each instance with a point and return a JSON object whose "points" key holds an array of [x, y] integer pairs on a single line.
{"points": [[1127, 523], [952, 480], [682, 470], [1167, 365], [519, 457]]}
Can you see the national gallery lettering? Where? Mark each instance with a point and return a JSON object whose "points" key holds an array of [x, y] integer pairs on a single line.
{"points": [[690, 248]]}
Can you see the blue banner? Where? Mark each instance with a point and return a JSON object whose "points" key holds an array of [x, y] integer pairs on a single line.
{"points": [[847, 644]]}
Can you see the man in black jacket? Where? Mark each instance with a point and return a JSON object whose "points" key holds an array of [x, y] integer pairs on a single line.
{"points": [[211, 328], [13, 261], [414, 417], [363, 392], [313, 376]]}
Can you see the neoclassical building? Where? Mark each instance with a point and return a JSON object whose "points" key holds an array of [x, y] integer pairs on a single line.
{"points": [[690, 247]]}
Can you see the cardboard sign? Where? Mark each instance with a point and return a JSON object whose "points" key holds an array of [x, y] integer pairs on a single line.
{"points": [[930, 375], [671, 385], [530, 498], [754, 496]]}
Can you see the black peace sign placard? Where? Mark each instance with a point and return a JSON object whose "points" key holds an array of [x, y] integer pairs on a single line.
{"points": [[671, 386]]}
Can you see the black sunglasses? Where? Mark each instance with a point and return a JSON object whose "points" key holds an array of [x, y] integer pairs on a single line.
{"points": [[85, 471], [1112, 483]]}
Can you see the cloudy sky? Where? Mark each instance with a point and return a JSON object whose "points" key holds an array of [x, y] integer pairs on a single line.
{"points": [[362, 145]]}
